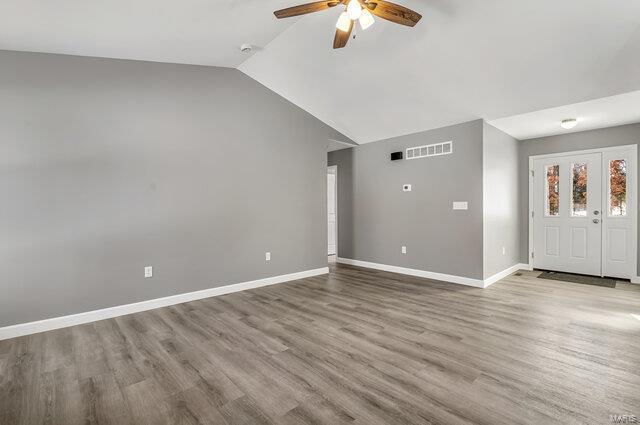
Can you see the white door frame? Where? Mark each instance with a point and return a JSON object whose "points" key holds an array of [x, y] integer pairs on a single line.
{"points": [[634, 191], [333, 169]]}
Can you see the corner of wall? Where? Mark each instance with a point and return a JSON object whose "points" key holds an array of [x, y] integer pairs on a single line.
{"points": [[500, 202]]}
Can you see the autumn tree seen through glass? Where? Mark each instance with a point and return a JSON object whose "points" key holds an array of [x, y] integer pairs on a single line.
{"points": [[579, 189], [553, 190], [618, 187]]}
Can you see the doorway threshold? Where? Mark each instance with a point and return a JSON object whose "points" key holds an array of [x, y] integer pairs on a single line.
{"points": [[607, 282]]}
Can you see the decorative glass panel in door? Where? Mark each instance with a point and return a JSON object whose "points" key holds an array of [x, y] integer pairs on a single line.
{"points": [[578, 204], [618, 188], [552, 191]]}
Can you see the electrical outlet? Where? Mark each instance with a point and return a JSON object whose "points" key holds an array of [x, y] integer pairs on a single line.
{"points": [[504, 250], [267, 256], [404, 249], [148, 271]]}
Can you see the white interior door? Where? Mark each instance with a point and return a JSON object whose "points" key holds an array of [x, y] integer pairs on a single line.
{"points": [[567, 207], [331, 213]]}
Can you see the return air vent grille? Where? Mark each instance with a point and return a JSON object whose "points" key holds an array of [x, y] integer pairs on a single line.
{"points": [[436, 149]]}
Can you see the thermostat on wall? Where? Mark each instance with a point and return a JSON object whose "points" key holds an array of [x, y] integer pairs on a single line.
{"points": [[460, 205], [406, 188]]}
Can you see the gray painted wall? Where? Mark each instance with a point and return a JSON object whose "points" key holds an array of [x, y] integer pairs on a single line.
{"points": [[375, 217], [501, 223], [108, 165], [606, 137]]}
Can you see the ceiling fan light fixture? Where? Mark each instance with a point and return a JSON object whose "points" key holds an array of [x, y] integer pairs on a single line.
{"points": [[354, 9], [366, 19], [569, 123], [344, 22]]}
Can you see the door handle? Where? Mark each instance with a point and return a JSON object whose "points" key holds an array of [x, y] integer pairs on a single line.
{"points": [[596, 212], [596, 221]]}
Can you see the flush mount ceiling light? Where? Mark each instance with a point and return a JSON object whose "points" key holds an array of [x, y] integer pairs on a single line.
{"points": [[569, 123], [355, 10]]}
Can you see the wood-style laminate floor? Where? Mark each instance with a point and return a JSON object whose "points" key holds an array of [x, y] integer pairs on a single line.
{"points": [[356, 347]]}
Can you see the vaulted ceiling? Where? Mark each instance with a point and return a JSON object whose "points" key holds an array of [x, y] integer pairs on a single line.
{"points": [[202, 32], [466, 59]]}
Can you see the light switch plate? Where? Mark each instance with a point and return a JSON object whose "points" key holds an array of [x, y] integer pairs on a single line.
{"points": [[267, 256], [460, 205], [404, 249], [148, 271]]}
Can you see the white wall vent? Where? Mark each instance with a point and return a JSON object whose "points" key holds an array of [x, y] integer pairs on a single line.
{"points": [[436, 149]]}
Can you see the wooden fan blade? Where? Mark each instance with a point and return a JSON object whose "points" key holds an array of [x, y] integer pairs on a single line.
{"points": [[305, 8], [341, 37], [393, 12]]}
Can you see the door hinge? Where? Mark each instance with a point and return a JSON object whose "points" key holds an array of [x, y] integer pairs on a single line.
{"points": [[531, 254], [531, 214], [532, 173]]}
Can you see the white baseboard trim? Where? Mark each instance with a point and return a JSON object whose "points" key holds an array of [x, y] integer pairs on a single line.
{"points": [[107, 313], [635, 279], [504, 273], [478, 283], [415, 272]]}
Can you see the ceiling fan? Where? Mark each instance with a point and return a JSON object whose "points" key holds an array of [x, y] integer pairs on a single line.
{"points": [[360, 10]]}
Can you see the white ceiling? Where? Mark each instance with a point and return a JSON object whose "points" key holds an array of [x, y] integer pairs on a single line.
{"points": [[466, 59], [597, 113], [204, 32]]}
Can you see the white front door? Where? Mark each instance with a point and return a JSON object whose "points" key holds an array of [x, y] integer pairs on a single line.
{"points": [[567, 206], [331, 213], [619, 213], [584, 215]]}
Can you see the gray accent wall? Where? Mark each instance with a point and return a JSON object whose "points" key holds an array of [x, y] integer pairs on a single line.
{"points": [[501, 203], [376, 218], [107, 166], [592, 139]]}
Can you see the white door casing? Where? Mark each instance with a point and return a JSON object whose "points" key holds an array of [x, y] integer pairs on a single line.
{"points": [[567, 237], [331, 212]]}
